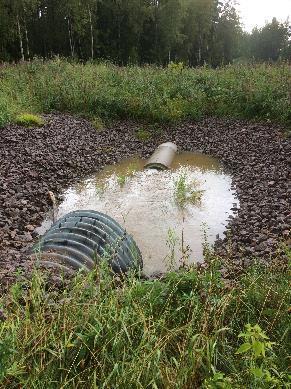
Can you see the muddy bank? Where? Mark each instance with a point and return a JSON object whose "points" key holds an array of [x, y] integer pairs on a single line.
{"points": [[35, 161]]}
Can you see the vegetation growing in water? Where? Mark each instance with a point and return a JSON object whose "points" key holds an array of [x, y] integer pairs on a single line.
{"points": [[122, 177], [186, 330], [186, 192], [150, 93]]}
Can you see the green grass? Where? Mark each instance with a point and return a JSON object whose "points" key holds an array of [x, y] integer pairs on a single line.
{"points": [[97, 123], [153, 94], [123, 177], [29, 120], [178, 332], [143, 135], [186, 192]]}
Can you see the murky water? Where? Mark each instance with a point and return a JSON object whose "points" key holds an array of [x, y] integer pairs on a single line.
{"points": [[146, 203]]}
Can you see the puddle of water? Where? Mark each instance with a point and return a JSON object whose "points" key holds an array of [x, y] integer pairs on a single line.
{"points": [[144, 203]]}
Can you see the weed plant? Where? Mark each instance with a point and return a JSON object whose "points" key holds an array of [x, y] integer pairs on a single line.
{"points": [[186, 330], [150, 93], [185, 192], [97, 123], [29, 120], [123, 177], [143, 135]]}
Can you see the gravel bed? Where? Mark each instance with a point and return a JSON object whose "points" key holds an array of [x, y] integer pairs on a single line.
{"points": [[37, 160]]}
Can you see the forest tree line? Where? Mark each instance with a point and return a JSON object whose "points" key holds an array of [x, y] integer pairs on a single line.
{"points": [[196, 32]]}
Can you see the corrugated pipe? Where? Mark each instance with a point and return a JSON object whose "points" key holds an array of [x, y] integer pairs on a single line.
{"points": [[81, 239]]}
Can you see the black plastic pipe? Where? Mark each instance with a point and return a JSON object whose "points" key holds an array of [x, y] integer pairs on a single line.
{"points": [[81, 239]]}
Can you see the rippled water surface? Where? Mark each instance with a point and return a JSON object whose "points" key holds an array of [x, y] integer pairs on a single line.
{"points": [[145, 203]]}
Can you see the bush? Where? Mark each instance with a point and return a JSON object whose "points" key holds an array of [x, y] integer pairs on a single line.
{"points": [[29, 120]]}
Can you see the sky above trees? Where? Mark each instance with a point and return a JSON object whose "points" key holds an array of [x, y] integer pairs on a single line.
{"points": [[257, 12]]}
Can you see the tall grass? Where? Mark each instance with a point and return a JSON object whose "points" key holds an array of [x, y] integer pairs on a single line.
{"points": [[178, 332], [149, 93]]}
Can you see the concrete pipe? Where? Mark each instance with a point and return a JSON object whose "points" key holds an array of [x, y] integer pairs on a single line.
{"points": [[163, 157]]}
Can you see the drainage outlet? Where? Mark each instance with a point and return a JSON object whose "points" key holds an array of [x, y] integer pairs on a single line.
{"points": [[81, 239], [163, 157]]}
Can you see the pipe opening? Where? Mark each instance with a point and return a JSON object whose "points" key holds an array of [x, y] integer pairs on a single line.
{"points": [[163, 157]]}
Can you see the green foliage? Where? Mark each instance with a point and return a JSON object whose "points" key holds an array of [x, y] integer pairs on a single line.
{"points": [[29, 120], [195, 32], [172, 241], [5, 113], [180, 331], [270, 42], [97, 123], [255, 342], [143, 134], [176, 66], [218, 381], [126, 32], [258, 353], [186, 192], [152, 94], [122, 177]]}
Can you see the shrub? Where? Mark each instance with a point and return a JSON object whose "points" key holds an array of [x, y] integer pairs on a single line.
{"points": [[29, 120]]}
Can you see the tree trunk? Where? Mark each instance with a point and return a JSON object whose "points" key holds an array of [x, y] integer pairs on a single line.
{"points": [[119, 39], [70, 37], [20, 38], [199, 55], [80, 48], [27, 43], [156, 29], [92, 36]]}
